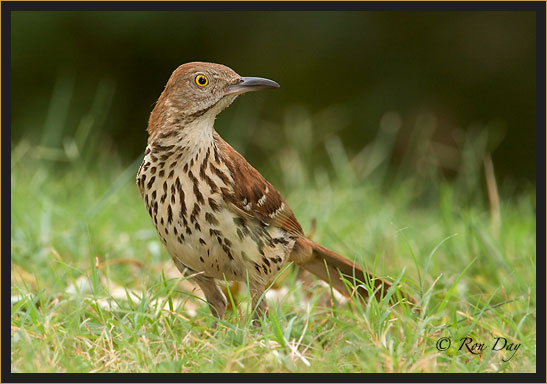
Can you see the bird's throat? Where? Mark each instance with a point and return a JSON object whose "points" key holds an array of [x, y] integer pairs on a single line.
{"points": [[193, 136]]}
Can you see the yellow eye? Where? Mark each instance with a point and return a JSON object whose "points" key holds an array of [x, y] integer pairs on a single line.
{"points": [[202, 80]]}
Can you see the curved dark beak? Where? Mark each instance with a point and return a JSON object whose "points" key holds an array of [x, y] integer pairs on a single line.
{"points": [[250, 84]]}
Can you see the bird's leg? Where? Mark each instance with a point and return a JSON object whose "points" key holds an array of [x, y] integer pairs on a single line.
{"points": [[213, 294], [258, 299]]}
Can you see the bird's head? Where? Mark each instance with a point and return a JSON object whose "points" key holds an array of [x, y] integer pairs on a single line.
{"points": [[197, 89]]}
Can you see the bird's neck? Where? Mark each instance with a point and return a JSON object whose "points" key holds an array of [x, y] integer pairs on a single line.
{"points": [[190, 138], [198, 133], [170, 127]]}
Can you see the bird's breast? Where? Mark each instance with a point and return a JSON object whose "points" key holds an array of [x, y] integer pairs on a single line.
{"points": [[184, 190]]}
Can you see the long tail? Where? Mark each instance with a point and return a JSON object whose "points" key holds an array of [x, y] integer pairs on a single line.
{"points": [[313, 257]]}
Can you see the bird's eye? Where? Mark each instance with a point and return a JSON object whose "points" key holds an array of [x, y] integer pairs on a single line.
{"points": [[202, 80]]}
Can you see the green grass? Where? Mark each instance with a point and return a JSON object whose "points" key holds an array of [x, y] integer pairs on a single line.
{"points": [[93, 290]]}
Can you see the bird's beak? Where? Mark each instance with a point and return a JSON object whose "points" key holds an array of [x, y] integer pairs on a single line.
{"points": [[249, 84]]}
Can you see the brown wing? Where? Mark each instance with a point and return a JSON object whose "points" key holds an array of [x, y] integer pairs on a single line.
{"points": [[253, 195]]}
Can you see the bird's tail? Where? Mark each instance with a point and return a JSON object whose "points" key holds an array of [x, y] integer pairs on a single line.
{"points": [[332, 268]]}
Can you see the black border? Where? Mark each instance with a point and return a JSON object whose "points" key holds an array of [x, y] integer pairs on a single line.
{"points": [[7, 7], [273, 5]]}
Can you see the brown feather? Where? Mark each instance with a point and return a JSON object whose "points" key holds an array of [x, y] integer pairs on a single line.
{"points": [[313, 257], [249, 187]]}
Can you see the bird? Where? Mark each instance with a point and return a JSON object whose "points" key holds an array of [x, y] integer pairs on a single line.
{"points": [[217, 216]]}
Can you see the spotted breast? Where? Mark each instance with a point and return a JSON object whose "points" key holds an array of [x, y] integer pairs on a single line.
{"points": [[189, 193]]}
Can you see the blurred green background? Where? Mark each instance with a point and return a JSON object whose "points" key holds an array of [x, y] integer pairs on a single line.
{"points": [[85, 82], [382, 134]]}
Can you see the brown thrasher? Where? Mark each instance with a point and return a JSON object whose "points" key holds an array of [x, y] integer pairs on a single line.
{"points": [[216, 215]]}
